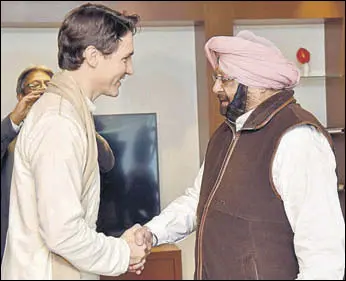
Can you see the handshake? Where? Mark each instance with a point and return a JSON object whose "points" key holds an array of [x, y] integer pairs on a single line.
{"points": [[140, 240]]}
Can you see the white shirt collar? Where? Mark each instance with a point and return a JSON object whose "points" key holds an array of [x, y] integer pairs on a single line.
{"points": [[239, 123], [91, 105]]}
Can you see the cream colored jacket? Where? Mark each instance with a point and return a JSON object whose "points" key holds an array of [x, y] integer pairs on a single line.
{"points": [[47, 214]]}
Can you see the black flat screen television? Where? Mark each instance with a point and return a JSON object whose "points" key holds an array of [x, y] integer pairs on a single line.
{"points": [[130, 192]]}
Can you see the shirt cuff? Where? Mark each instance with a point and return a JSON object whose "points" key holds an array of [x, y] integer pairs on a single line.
{"points": [[159, 233], [16, 127], [155, 240]]}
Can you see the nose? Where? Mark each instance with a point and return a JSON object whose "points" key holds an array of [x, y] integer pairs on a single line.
{"points": [[217, 87], [129, 67]]}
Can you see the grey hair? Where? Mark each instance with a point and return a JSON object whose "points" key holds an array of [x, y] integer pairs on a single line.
{"points": [[26, 72]]}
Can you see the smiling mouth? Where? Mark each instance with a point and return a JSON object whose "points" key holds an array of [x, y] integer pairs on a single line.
{"points": [[120, 80]]}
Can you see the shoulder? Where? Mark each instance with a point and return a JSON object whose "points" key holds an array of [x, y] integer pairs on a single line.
{"points": [[305, 141], [52, 111], [304, 134], [54, 104]]}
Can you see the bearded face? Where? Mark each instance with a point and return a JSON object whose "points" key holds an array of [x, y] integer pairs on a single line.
{"points": [[232, 95], [224, 102], [224, 87]]}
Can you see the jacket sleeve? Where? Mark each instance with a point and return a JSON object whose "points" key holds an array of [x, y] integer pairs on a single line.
{"points": [[8, 134], [105, 154], [57, 158]]}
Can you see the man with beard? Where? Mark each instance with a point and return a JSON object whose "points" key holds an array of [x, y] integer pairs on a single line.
{"points": [[264, 203]]}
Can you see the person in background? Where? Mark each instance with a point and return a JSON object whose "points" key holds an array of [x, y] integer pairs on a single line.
{"points": [[31, 84], [264, 204], [55, 187]]}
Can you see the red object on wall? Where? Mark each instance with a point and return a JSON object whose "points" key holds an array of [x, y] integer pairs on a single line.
{"points": [[303, 55]]}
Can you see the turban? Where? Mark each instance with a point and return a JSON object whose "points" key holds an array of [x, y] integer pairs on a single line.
{"points": [[252, 60]]}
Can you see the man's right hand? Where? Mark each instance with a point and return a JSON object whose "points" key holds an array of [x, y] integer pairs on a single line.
{"points": [[138, 253], [143, 235], [23, 106]]}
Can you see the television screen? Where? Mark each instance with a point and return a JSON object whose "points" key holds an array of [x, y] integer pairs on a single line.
{"points": [[130, 191]]}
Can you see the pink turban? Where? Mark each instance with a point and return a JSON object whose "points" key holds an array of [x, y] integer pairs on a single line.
{"points": [[252, 60]]}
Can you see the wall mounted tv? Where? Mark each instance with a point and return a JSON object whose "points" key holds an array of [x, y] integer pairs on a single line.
{"points": [[130, 192]]}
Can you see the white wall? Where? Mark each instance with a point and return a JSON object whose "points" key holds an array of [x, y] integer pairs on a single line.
{"points": [[164, 82], [21, 48], [311, 92]]}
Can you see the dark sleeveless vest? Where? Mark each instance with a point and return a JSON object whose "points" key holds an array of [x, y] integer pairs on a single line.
{"points": [[242, 228]]}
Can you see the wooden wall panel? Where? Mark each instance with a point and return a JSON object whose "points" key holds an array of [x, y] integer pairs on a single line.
{"points": [[339, 146], [335, 86], [334, 47], [51, 13], [162, 11], [287, 9], [218, 20], [202, 91]]}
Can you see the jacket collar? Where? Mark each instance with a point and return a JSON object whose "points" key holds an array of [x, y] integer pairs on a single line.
{"points": [[264, 112]]}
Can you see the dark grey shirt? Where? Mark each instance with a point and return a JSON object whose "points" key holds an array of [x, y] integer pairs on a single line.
{"points": [[8, 134]]}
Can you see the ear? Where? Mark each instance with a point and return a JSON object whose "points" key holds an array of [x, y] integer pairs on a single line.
{"points": [[91, 56]]}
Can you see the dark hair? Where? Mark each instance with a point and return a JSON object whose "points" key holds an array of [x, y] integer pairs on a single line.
{"points": [[22, 77], [91, 25]]}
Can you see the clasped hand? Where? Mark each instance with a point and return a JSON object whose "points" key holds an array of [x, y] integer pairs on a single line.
{"points": [[139, 238]]}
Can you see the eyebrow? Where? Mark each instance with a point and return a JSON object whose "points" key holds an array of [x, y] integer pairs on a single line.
{"points": [[38, 81], [129, 55]]}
